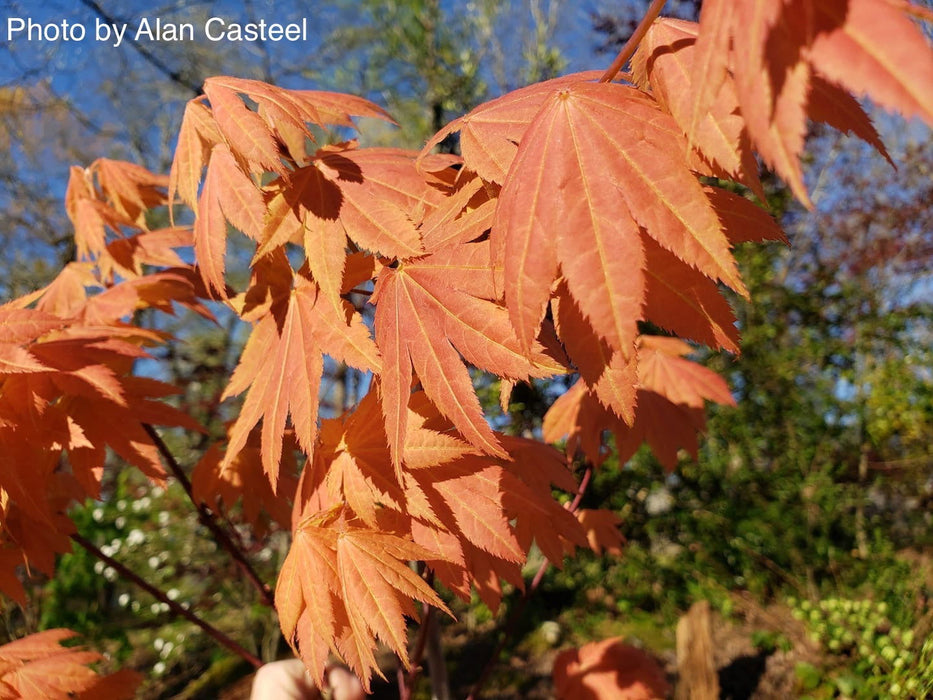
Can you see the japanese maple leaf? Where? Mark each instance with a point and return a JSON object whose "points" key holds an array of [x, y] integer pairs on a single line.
{"points": [[343, 586], [665, 61], [237, 144], [371, 196], [196, 137], [17, 328], [668, 60], [463, 506], [666, 426], [468, 496], [669, 412], [432, 310], [279, 124], [678, 298], [602, 530], [664, 369], [123, 194], [75, 389], [608, 670], [788, 60], [771, 88], [282, 364], [530, 476], [38, 666], [227, 195], [576, 197], [127, 255], [157, 290], [490, 133], [871, 49], [351, 465], [488, 511]]}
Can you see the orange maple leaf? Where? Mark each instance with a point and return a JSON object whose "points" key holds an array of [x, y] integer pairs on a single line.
{"points": [[602, 530], [490, 133], [282, 363], [429, 312], [38, 666], [665, 60], [669, 407], [787, 61], [371, 196], [342, 586], [607, 670], [629, 178]]}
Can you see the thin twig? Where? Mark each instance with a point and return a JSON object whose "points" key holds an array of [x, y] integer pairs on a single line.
{"points": [[522, 603], [207, 518], [581, 489], [407, 684], [629, 49], [174, 607]]}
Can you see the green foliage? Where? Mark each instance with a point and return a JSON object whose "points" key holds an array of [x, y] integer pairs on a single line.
{"points": [[769, 642], [876, 648]]}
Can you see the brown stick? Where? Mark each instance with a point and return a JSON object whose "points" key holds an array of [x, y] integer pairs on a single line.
{"points": [[406, 682], [629, 49], [207, 518], [174, 607], [696, 671]]}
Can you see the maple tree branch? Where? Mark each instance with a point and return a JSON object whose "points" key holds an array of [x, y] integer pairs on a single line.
{"points": [[581, 489], [633, 41], [176, 608], [516, 614], [208, 519], [406, 684]]}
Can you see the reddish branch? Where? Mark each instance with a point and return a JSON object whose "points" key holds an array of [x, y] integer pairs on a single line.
{"points": [[174, 607], [516, 614], [207, 518], [406, 683], [629, 49]]}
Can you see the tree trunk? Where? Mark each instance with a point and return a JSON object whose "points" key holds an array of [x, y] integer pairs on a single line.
{"points": [[696, 670]]}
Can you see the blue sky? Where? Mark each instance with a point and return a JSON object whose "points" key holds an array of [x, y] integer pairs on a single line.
{"points": [[109, 86]]}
